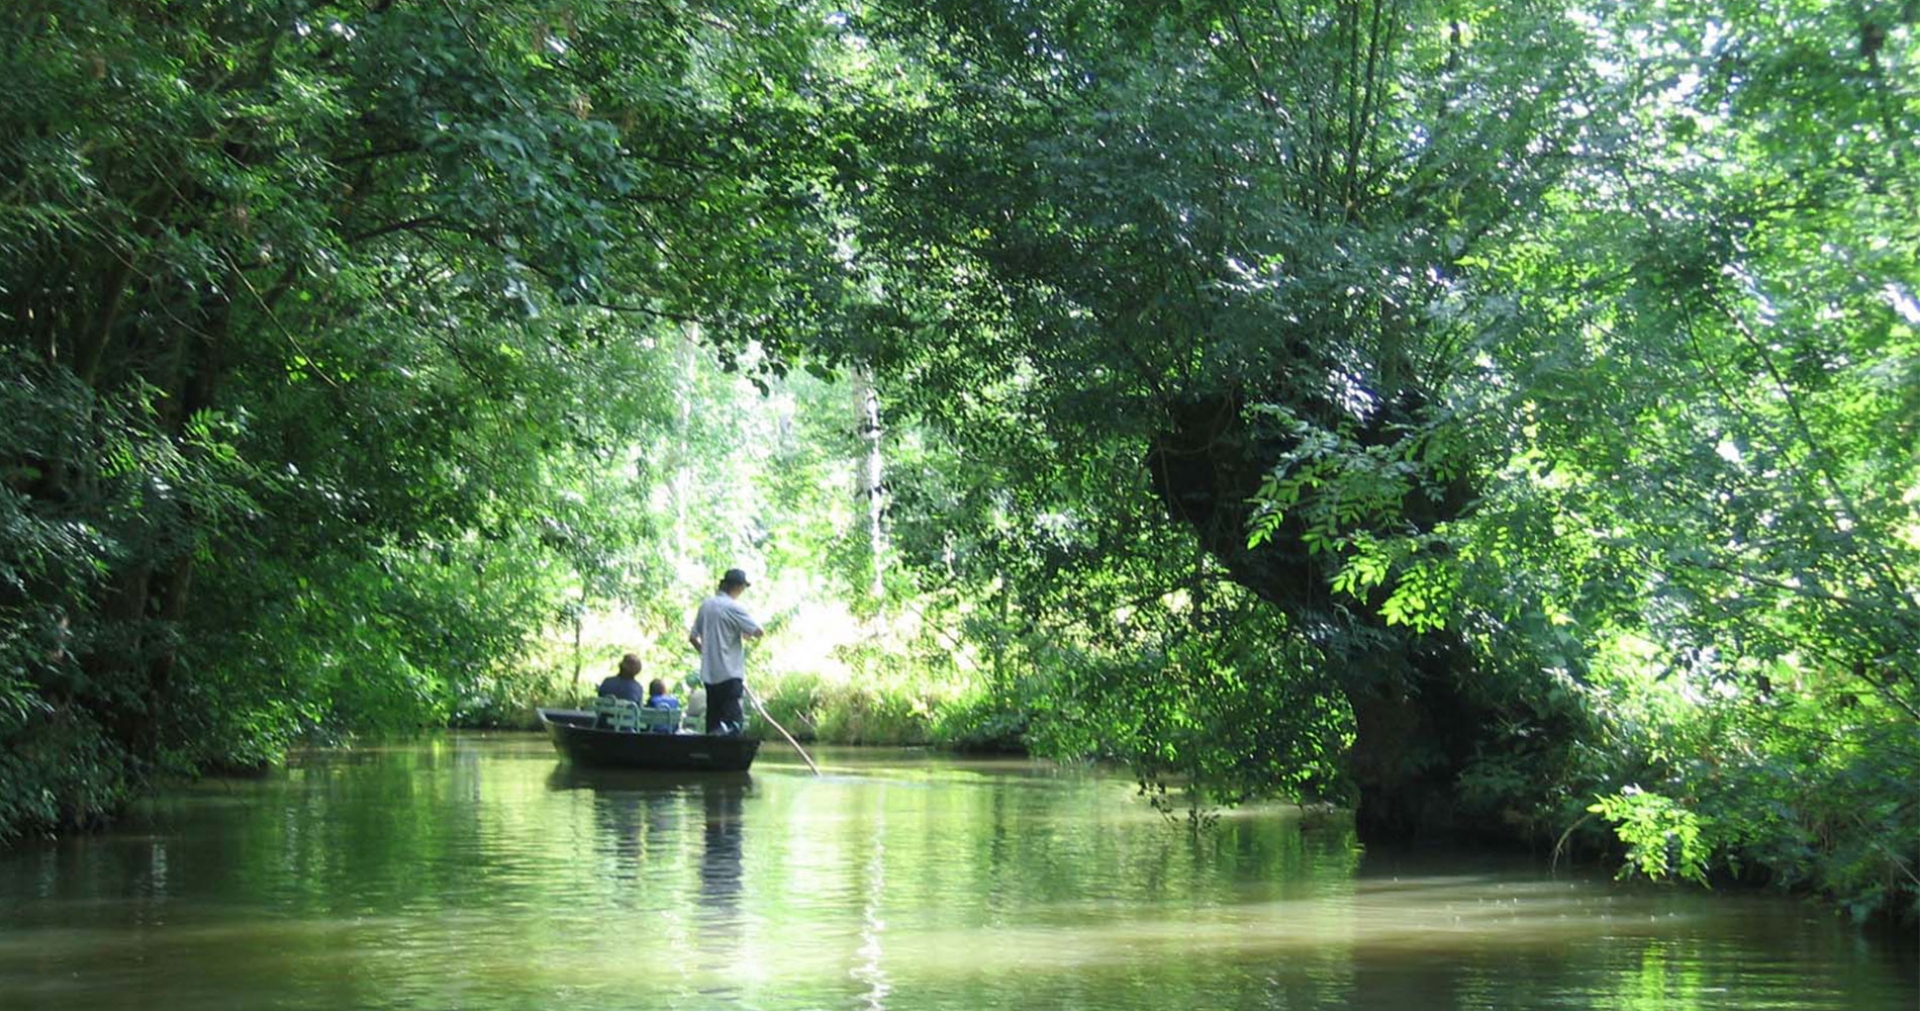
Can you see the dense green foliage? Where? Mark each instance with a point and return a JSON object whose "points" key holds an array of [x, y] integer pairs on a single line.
{"points": [[1500, 417], [331, 330], [1546, 367], [1204, 267]]}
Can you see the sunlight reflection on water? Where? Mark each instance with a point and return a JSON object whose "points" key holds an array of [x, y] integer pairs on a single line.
{"points": [[477, 871]]}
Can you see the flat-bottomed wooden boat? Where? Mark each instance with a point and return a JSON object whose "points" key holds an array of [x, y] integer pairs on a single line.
{"points": [[575, 735]]}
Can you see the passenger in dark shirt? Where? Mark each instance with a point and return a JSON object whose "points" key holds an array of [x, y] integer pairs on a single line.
{"points": [[625, 685]]}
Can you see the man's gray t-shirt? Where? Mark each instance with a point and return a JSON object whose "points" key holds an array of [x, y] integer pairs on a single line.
{"points": [[719, 623]]}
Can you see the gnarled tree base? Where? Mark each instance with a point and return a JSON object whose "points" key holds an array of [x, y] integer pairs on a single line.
{"points": [[1416, 729]]}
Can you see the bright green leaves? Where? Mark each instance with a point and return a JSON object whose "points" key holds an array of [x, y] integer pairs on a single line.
{"points": [[1703, 450], [1663, 838], [1347, 502], [1423, 596], [1366, 567]]}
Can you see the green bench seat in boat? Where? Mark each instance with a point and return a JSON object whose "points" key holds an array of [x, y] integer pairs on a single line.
{"points": [[626, 715]]}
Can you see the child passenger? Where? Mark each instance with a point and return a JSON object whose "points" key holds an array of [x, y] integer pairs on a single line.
{"points": [[657, 697]]}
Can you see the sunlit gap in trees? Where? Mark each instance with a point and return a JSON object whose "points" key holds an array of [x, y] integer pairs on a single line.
{"points": [[762, 472]]}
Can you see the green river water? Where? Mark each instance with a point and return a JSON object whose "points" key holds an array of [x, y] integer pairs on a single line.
{"points": [[478, 872]]}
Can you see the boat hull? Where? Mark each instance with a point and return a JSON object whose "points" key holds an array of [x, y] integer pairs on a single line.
{"points": [[574, 735]]}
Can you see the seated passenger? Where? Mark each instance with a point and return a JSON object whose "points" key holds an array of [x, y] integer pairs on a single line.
{"points": [[623, 685], [696, 697], [657, 697]]}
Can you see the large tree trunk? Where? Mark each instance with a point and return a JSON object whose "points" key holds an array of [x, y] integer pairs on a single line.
{"points": [[1415, 725], [1414, 731]]}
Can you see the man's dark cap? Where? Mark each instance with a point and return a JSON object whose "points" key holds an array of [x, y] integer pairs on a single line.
{"points": [[735, 577]]}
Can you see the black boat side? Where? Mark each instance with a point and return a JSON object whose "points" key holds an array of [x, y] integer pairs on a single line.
{"points": [[574, 735]]}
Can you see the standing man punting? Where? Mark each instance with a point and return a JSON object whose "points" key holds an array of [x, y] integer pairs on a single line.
{"points": [[716, 634]]}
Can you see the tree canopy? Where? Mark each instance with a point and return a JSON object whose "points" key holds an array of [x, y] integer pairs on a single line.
{"points": [[1499, 417]]}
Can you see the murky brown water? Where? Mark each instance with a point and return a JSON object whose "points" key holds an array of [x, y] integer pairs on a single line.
{"points": [[479, 872]]}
